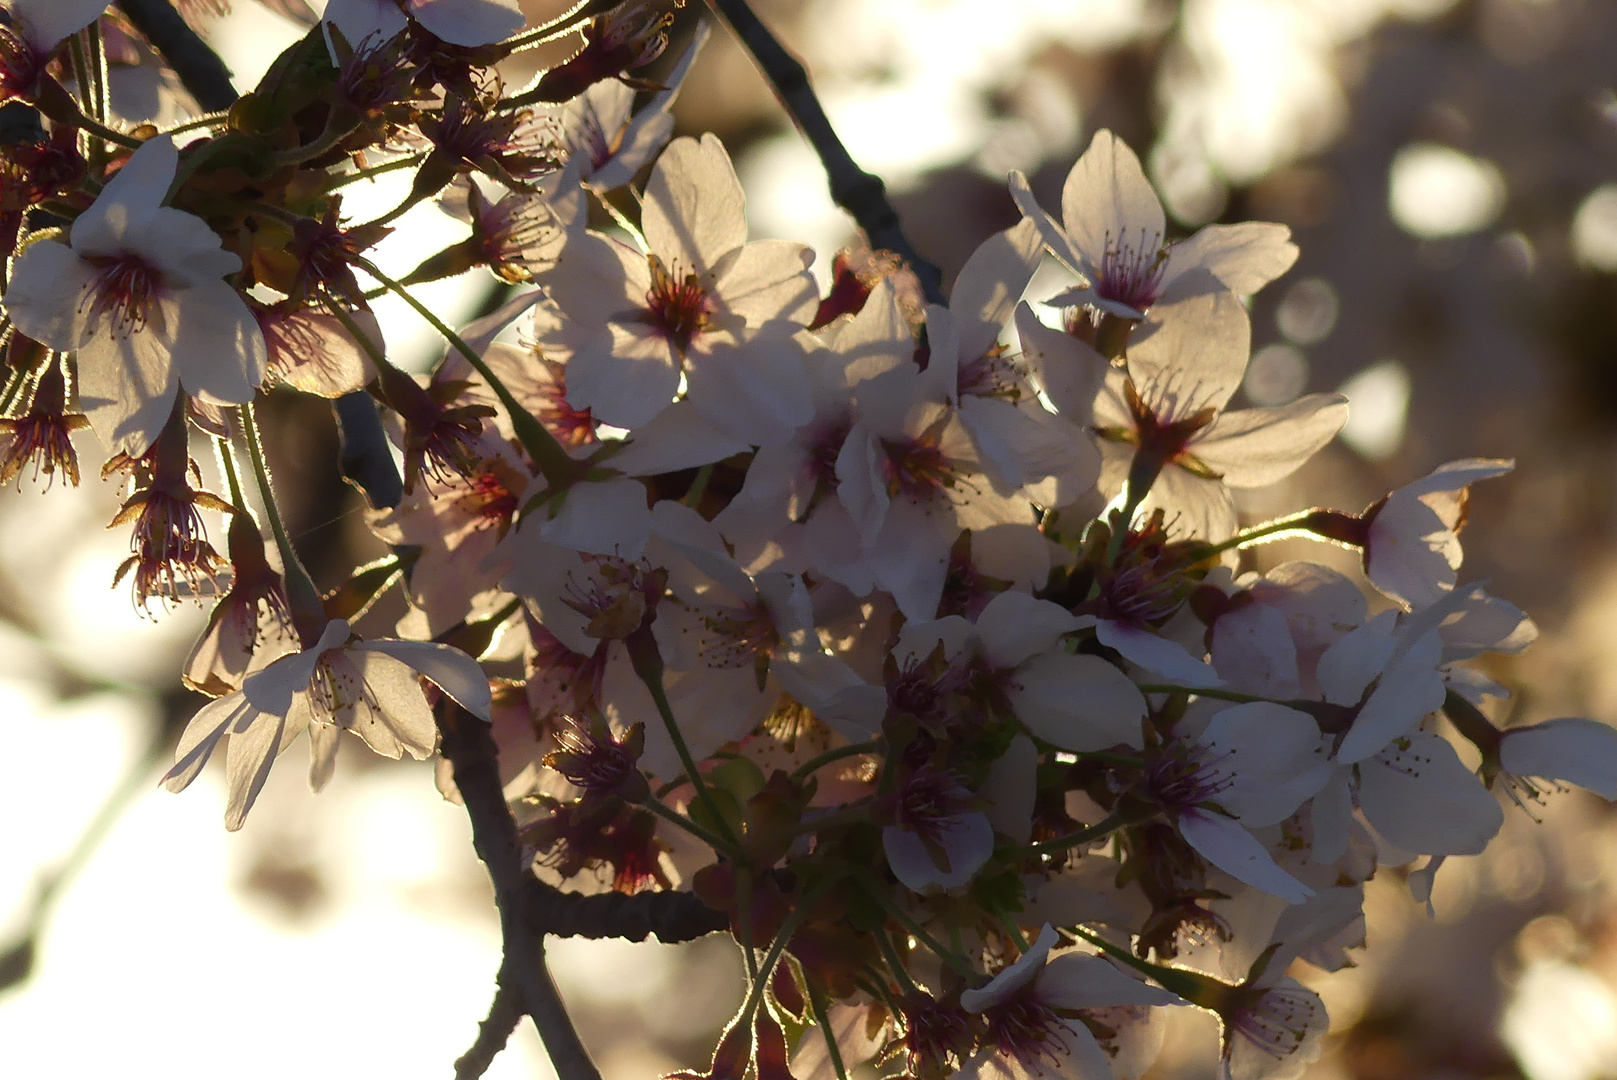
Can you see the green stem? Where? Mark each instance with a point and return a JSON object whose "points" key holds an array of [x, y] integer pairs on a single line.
{"points": [[1267, 532], [648, 665], [330, 137], [1012, 930], [693, 497], [894, 961], [619, 218], [874, 889], [227, 464], [96, 48], [820, 761], [1170, 979], [306, 606], [558, 468], [558, 27], [744, 895], [1207, 692], [822, 1017], [357, 175], [707, 837], [1117, 819], [787, 928], [213, 119]]}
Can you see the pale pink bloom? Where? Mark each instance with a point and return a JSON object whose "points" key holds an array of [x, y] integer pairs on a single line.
{"points": [[787, 504], [1115, 239], [468, 23], [1161, 420], [1570, 750], [1274, 1031], [1028, 1011], [910, 479], [722, 634], [1386, 671], [936, 842], [312, 351], [1271, 645], [341, 682], [1416, 793], [459, 525], [1412, 544], [1252, 766], [518, 234], [1022, 446], [702, 302], [1073, 701], [138, 293], [606, 139]]}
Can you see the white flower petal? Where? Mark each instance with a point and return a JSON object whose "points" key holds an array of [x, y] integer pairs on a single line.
{"points": [[1572, 750], [1254, 447], [1228, 846], [990, 284], [451, 670], [1079, 980], [1156, 653], [694, 211], [967, 841], [1014, 627], [1422, 798], [469, 23], [1244, 257], [1077, 702], [1107, 201]]}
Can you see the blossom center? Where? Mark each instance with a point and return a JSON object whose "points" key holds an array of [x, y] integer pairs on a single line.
{"points": [[337, 687], [1179, 780], [572, 427], [1131, 273], [916, 468], [930, 804], [1029, 1032], [678, 307], [124, 288], [490, 501], [1277, 1021], [990, 375], [738, 637]]}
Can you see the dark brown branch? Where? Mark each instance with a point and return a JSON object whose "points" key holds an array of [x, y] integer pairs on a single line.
{"points": [[672, 916], [861, 194], [470, 749], [201, 71], [492, 1034]]}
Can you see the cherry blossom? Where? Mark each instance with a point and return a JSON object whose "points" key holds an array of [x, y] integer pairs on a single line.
{"points": [[1412, 544], [1164, 432], [338, 683], [1028, 1009], [702, 302], [138, 293], [1115, 239]]}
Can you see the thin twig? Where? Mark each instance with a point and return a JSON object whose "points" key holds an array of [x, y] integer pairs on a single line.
{"points": [[861, 194]]}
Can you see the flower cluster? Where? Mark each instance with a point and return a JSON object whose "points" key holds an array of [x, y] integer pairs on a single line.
{"points": [[914, 637]]}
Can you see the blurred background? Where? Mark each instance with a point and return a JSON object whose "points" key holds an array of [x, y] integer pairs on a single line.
{"points": [[1449, 170]]}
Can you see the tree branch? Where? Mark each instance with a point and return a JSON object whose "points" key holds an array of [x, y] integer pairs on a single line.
{"points": [[470, 749], [201, 71], [861, 194], [673, 917], [492, 1034]]}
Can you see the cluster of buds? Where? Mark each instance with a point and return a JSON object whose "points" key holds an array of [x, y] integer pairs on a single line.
{"points": [[803, 601]]}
